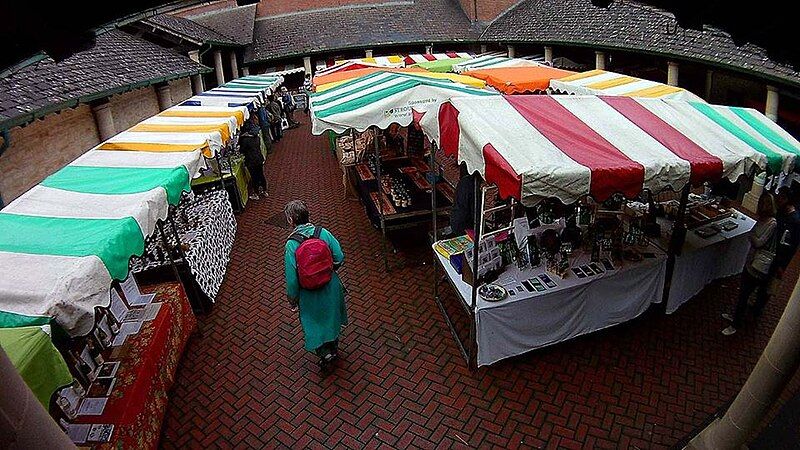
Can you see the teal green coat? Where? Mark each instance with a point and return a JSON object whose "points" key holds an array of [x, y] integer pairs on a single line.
{"points": [[322, 311]]}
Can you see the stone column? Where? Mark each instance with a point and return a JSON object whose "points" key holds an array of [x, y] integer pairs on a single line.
{"points": [[307, 64], [104, 119], [368, 53], [218, 68], [709, 84], [672, 73], [197, 80], [429, 49], [25, 423], [771, 109], [483, 48], [511, 51], [164, 96], [763, 387], [234, 65], [245, 71], [548, 54], [600, 60], [750, 200]]}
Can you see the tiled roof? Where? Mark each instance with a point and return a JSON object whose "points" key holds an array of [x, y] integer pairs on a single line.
{"points": [[118, 62], [401, 22], [631, 26], [188, 29], [234, 22]]}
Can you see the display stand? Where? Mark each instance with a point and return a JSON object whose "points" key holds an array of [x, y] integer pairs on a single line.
{"points": [[148, 363]]}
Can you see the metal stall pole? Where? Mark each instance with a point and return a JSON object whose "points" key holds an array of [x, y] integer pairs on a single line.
{"points": [[380, 198], [435, 213], [675, 244], [477, 226]]}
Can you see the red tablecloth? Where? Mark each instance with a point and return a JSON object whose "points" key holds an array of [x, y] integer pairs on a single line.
{"points": [[148, 362]]}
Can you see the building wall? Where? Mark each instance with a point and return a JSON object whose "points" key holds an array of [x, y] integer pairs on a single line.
{"points": [[488, 10], [132, 107], [180, 90], [273, 8], [206, 7], [44, 146]]}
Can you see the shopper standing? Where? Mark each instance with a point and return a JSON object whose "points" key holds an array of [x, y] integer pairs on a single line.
{"points": [[250, 147], [288, 106], [311, 256], [760, 264], [274, 112]]}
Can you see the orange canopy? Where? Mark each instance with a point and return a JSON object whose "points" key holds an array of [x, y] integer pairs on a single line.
{"points": [[348, 74], [518, 80]]}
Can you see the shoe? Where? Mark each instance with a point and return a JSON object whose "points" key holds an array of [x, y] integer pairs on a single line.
{"points": [[727, 317], [254, 197], [263, 193], [729, 331]]}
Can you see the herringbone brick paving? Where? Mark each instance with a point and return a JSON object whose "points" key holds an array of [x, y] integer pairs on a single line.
{"points": [[246, 381]]}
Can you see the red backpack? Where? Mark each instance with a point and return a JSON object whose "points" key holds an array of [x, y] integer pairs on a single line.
{"points": [[314, 260]]}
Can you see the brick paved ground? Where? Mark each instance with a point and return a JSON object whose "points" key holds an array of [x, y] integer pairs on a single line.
{"points": [[245, 381]]}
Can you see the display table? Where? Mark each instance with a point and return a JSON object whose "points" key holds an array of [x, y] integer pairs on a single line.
{"points": [[148, 362], [576, 306], [235, 181], [704, 260], [37, 360]]}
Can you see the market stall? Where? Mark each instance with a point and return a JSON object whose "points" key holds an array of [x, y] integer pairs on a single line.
{"points": [[519, 80], [411, 72], [440, 66], [583, 151], [602, 82], [495, 61], [416, 58], [396, 186]]}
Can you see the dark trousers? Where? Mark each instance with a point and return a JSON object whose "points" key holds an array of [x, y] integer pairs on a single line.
{"points": [[256, 169], [747, 286], [277, 130], [328, 347]]}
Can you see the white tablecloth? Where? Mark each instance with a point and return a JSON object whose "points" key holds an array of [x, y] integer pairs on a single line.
{"points": [[575, 307], [705, 260]]}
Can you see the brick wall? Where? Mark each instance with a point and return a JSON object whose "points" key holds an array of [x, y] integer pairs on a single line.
{"points": [[488, 10], [180, 90], [132, 107], [272, 8], [43, 147]]}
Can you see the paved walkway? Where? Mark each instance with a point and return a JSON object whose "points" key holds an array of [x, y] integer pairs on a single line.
{"points": [[245, 381]]}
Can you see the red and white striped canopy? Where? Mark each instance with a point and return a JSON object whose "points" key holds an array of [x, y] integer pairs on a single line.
{"points": [[423, 57], [534, 146]]}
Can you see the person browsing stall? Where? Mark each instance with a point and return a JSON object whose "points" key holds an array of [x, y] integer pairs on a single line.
{"points": [[311, 257], [250, 147], [274, 112], [760, 264]]}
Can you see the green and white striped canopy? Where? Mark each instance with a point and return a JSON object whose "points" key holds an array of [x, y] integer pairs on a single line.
{"points": [[64, 241], [380, 99]]}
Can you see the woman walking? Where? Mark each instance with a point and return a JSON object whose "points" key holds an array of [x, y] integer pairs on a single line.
{"points": [[311, 256], [759, 266]]}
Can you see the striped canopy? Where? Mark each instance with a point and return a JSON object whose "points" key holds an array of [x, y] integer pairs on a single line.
{"points": [[380, 99], [601, 82], [463, 79], [518, 80], [380, 61], [493, 61], [64, 241], [534, 146], [440, 66], [245, 91], [424, 57], [343, 66]]}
